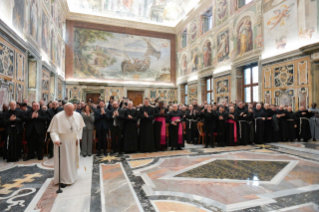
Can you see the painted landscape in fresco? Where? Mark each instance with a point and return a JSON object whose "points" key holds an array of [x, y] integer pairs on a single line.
{"points": [[116, 56]]}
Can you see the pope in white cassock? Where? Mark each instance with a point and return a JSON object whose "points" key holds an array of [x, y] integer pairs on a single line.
{"points": [[66, 128]]}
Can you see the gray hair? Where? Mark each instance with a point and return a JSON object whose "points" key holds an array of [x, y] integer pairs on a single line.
{"points": [[130, 102], [12, 101]]}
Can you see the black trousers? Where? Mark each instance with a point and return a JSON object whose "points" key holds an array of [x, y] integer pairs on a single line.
{"points": [[221, 135], [35, 143], [102, 145], [117, 138], [50, 145], [13, 152]]}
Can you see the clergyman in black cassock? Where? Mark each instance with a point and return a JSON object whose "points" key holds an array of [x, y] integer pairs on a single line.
{"points": [[210, 118], [117, 126], [232, 128], [221, 131], [101, 117], [269, 129], [191, 125], [259, 116], [251, 124], [175, 118], [276, 134], [130, 142], [303, 125], [146, 135], [282, 123], [160, 127], [14, 128], [35, 130], [241, 114], [50, 114], [291, 124]]}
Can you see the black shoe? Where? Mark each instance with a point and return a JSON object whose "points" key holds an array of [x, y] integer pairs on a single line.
{"points": [[63, 185], [206, 147], [40, 158], [105, 153], [172, 148], [89, 155], [179, 148], [119, 155], [84, 155], [50, 156], [98, 153]]}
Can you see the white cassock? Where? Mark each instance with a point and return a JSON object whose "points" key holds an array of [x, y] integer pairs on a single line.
{"points": [[67, 130]]}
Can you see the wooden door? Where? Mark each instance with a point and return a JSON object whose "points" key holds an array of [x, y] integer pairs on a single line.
{"points": [[136, 97], [93, 96]]}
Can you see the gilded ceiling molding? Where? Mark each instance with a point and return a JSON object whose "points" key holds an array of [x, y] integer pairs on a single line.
{"points": [[118, 22]]}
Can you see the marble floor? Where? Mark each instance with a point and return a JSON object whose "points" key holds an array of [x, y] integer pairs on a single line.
{"points": [[280, 176]]}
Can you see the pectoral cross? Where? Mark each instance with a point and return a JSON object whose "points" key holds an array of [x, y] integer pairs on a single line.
{"points": [[71, 129]]}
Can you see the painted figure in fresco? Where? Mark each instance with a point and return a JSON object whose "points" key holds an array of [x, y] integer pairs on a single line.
{"points": [[222, 87], [207, 54], [281, 42], [184, 64], [194, 60], [307, 34], [221, 9], [34, 19], [223, 49], [280, 16], [193, 30], [245, 37], [45, 35], [303, 97], [52, 46]]}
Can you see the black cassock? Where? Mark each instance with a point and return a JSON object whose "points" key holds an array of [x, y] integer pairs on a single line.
{"points": [[282, 125], [276, 134], [243, 126], [191, 126], [130, 143], [251, 127], [269, 128], [291, 122], [175, 132], [221, 129], [146, 136], [303, 125], [209, 126], [159, 127], [259, 126], [232, 130], [15, 131]]}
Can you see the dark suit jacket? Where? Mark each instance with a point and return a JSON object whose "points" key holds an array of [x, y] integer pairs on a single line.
{"points": [[101, 121], [119, 119], [51, 113], [36, 123], [18, 122]]}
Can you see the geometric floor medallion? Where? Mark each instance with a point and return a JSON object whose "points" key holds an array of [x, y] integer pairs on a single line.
{"points": [[236, 171]]}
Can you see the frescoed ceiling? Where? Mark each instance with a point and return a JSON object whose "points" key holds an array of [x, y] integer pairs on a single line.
{"points": [[161, 12]]}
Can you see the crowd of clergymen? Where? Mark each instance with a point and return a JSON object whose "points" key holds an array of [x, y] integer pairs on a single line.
{"points": [[143, 128]]}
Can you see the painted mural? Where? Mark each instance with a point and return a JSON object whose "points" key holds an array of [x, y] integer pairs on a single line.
{"points": [[207, 54], [280, 26], [192, 92], [32, 74], [20, 66], [18, 15], [19, 92], [183, 65], [6, 92], [221, 11], [45, 80], [107, 55], [45, 33], [6, 60], [159, 11], [195, 60], [222, 86], [244, 36], [60, 89], [193, 30], [32, 96], [34, 19], [223, 46]]}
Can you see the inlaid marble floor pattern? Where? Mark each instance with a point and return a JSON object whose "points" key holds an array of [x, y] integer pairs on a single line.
{"points": [[274, 177]]}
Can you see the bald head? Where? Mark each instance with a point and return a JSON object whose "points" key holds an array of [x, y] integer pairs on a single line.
{"points": [[69, 108]]}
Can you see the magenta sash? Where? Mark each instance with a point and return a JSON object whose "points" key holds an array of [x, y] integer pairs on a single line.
{"points": [[180, 130], [163, 129], [235, 128]]}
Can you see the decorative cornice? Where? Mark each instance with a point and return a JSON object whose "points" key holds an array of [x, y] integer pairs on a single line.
{"points": [[222, 74], [310, 48], [283, 57], [119, 22]]}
